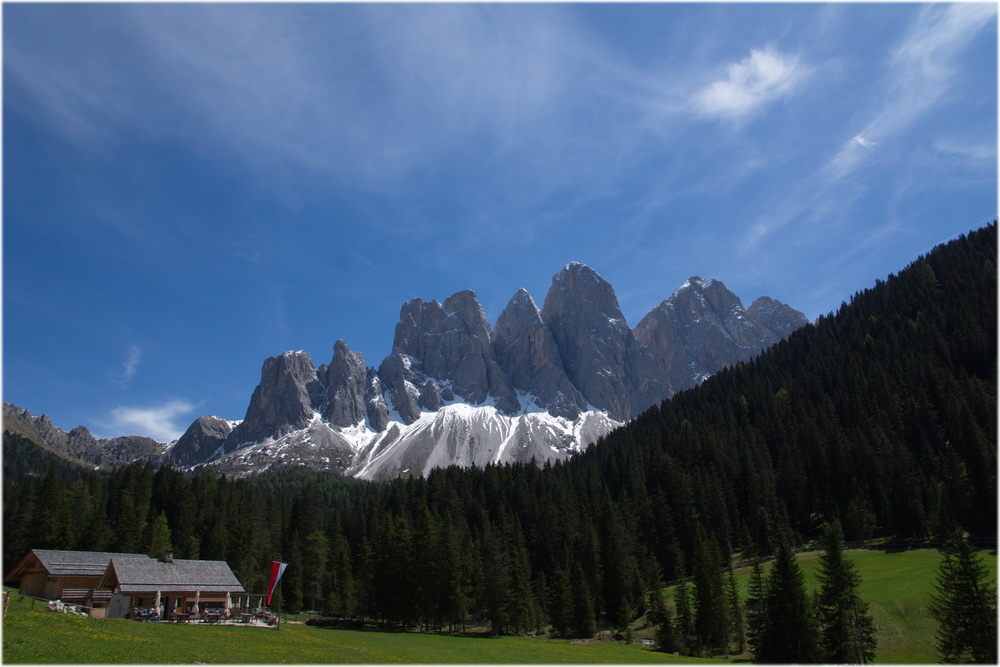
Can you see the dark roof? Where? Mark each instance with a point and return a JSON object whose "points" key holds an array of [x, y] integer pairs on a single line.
{"points": [[71, 563], [135, 575]]}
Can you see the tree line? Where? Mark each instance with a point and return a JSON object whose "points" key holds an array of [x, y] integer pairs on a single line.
{"points": [[881, 418]]}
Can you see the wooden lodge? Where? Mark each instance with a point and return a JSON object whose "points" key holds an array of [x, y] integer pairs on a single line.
{"points": [[113, 584], [178, 587]]}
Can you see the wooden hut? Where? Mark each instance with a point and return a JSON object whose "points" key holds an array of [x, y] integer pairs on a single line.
{"points": [[113, 584], [70, 576], [179, 585]]}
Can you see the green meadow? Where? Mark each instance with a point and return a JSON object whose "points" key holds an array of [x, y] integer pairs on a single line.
{"points": [[40, 636], [897, 585]]}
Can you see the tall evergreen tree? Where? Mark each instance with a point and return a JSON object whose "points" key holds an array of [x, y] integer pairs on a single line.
{"points": [[710, 623], [685, 621], [791, 635], [159, 542], [584, 618], [662, 620], [758, 628], [965, 606], [561, 603], [737, 624], [847, 630]]}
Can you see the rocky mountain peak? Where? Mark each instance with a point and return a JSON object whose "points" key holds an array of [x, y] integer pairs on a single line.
{"points": [[284, 400], [575, 357], [778, 318], [600, 355], [346, 382], [450, 344], [202, 439], [528, 354], [703, 327], [577, 285]]}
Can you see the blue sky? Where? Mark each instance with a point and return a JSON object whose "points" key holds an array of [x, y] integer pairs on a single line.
{"points": [[190, 188]]}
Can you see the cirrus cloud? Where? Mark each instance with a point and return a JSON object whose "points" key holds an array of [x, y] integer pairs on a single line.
{"points": [[130, 366], [758, 79]]}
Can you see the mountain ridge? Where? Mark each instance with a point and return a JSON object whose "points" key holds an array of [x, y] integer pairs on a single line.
{"points": [[541, 383]]}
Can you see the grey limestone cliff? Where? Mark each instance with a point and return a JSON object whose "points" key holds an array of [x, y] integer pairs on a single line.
{"points": [[346, 384], [528, 354], [601, 356], [282, 402], [450, 343], [703, 327], [777, 318], [201, 440]]}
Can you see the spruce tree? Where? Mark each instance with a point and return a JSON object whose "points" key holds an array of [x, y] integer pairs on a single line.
{"points": [[757, 616], [847, 630], [561, 603], [710, 621], [584, 619], [737, 627], [661, 619], [791, 635], [159, 542], [685, 621], [965, 606]]}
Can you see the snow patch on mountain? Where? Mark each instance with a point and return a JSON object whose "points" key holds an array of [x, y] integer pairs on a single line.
{"points": [[457, 434]]}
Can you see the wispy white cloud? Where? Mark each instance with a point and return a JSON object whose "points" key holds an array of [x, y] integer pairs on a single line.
{"points": [[918, 75], [760, 78], [921, 70], [159, 422], [967, 148], [130, 366]]}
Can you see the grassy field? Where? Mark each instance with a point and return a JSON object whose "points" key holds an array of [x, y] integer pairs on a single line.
{"points": [[898, 588], [897, 585], [39, 636]]}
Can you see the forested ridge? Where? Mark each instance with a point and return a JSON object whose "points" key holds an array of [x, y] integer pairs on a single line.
{"points": [[882, 416]]}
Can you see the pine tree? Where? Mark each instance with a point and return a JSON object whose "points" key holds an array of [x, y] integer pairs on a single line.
{"points": [[159, 542], [710, 622], [315, 552], [661, 618], [685, 622], [561, 603], [791, 635], [340, 600], [496, 582], [965, 606], [847, 630], [737, 627], [758, 629], [584, 619]]}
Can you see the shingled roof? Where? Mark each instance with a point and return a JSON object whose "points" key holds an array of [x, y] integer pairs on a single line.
{"points": [[143, 575], [70, 563]]}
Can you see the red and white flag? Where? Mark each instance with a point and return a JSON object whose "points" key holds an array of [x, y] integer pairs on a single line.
{"points": [[277, 569]]}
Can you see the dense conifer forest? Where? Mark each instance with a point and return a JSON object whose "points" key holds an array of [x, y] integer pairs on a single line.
{"points": [[881, 416]]}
